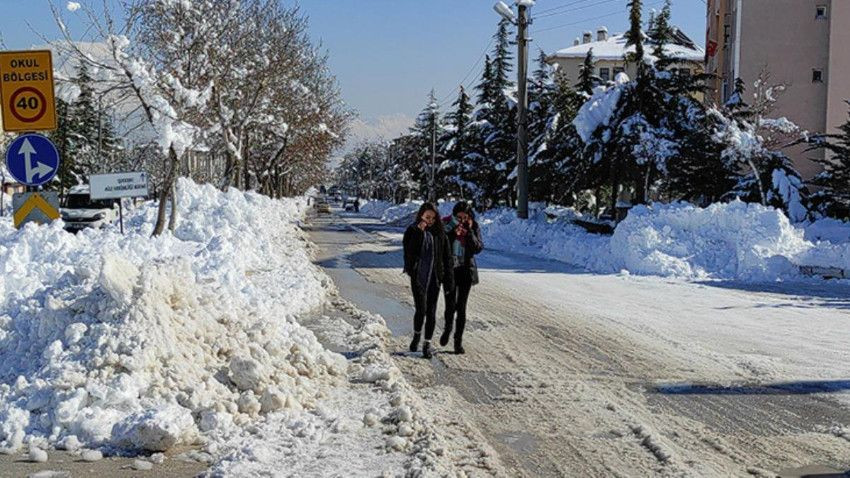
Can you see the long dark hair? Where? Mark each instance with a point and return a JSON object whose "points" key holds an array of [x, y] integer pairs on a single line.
{"points": [[437, 228]]}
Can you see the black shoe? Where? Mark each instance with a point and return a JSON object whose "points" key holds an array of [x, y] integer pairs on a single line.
{"points": [[427, 351], [414, 344], [444, 339], [459, 349]]}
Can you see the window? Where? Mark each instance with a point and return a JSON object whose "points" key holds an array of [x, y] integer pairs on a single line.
{"points": [[618, 70], [605, 74], [817, 76], [820, 12]]}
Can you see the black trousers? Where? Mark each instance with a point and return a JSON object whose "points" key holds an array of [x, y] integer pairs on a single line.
{"points": [[456, 302], [426, 306]]}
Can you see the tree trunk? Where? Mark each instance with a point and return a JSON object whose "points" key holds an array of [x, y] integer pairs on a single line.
{"points": [[172, 223], [166, 192]]}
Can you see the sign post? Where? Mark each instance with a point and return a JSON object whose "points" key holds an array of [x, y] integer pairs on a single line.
{"points": [[118, 186], [26, 90]]}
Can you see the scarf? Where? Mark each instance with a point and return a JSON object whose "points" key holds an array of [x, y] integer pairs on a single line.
{"points": [[459, 244]]}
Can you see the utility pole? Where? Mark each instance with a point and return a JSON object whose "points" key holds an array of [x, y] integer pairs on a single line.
{"points": [[522, 113], [432, 190]]}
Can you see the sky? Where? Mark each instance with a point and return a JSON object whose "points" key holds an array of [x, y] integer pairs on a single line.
{"points": [[388, 54]]}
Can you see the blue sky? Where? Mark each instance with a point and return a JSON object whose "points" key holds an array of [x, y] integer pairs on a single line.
{"points": [[388, 54]]}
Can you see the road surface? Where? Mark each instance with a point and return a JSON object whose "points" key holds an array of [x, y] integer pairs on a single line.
{"points": [[575, 374]]}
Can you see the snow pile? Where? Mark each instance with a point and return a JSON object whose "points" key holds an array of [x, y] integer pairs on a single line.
{"points": [[559, 240], [723, 241], [401, 214], [375, 208], [827, 229], [145, 343]]}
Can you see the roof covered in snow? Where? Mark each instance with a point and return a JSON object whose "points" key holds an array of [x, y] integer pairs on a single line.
{"points": [[614, 48]]}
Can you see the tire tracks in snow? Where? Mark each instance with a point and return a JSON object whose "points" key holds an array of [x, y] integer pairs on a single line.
{"points": [[560, 393]]}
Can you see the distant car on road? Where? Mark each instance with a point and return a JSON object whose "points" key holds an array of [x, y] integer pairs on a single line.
{"points": [[79, 211], [322, 206]]}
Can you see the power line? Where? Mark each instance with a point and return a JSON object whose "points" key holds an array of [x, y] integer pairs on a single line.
{"points": [[620, 12], [462, 82], [560, 7], [584, 7]]}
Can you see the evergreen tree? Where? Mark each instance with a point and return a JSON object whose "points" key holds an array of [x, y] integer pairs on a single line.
{"points": [[660, 34], [495, 121], [587, 79], [425, 131], [456, 172], [834, 197], [65, 140], [634, 36]]}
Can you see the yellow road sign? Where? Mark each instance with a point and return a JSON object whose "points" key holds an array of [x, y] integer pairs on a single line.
{"points": [[26, 90], [35, 207]]}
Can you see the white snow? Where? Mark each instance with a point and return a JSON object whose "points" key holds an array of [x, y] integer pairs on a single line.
{"points": [[724, 241], [599, 108], [130, 340], [614, 48], [73, 6]]}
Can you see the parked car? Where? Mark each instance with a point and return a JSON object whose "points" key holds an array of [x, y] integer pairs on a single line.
{"points": [[79, 211]]}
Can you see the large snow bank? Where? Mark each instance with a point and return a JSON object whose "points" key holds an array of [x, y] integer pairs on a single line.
{"points": [[730, 241], [725, 241], [401, 214], [144, 343]]}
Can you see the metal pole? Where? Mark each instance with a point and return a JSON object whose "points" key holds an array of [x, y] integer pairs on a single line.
{"points": [[432, 194], [522, 104]]}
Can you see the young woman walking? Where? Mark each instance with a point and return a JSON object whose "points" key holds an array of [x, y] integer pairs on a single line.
{"points": [[464, 238], [428, 262]]}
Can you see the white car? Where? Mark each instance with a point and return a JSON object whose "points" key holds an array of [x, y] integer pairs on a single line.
{"points": [[80, 212]]}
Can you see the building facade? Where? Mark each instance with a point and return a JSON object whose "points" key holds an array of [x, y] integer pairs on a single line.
{"points": [[609, 52], [801, 44]]}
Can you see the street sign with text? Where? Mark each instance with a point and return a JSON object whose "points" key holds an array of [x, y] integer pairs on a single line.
{"points": [[118, 185], [26, 90]]}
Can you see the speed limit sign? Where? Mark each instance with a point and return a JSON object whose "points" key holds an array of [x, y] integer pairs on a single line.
{"points": [[26, 90]]}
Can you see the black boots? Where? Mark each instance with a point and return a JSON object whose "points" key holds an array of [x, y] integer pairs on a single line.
{"points": [[427, 351], [414, 344], [459, 348], [444, 339]]}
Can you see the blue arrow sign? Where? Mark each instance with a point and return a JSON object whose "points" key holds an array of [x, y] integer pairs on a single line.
{"points": [[32, 159]]}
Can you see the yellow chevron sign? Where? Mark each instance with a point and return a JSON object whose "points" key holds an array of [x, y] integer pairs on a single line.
{"points": [[35, 207]]}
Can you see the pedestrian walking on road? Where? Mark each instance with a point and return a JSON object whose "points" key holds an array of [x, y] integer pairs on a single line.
{"points": [[427, 260], [464, 238]]}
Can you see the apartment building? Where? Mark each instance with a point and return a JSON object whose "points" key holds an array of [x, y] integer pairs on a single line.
{"points": [[609, 53], [802, 44]]}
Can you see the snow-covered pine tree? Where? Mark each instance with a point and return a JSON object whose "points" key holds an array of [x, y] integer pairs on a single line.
{"points": [[425, 131], [455, 171], [834, 197], [495, 122], [587, 79]]}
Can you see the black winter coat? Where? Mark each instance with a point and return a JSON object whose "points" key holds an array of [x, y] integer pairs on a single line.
{"points": [[474, 246], [412, 241]]}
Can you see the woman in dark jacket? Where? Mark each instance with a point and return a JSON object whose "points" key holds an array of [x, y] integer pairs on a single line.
{"points": [[464, 238], [427, 260]]}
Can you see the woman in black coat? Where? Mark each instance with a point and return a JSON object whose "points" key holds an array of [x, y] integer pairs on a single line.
{"points": [[464, 237], [427, 261]]}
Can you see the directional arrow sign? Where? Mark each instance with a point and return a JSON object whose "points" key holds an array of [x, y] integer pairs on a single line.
{"points": [[32, 159]]}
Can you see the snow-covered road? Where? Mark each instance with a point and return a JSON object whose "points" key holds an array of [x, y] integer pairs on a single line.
{"points": [[577, 374]]}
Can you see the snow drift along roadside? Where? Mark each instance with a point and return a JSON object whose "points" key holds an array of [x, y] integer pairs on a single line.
{"points": [[727, 241], [144, 343]]}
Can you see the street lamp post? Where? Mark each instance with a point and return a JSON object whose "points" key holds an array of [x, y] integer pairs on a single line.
{"points": [[521, 22]]}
